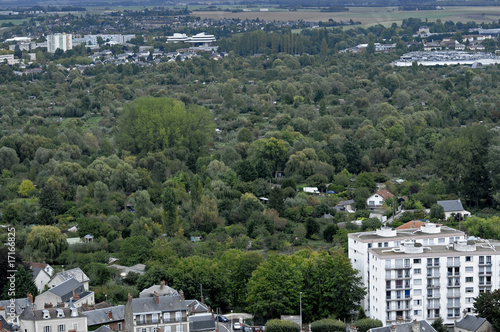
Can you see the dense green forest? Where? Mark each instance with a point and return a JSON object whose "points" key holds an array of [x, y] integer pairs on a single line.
{"points": [[144, 158]]}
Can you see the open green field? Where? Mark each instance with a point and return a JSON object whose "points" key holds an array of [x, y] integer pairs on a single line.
{"points": [[15, 22], [367, 15]]}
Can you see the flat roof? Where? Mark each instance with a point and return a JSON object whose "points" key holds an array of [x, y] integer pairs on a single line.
{"points": [[437, 250], [402, 234]]}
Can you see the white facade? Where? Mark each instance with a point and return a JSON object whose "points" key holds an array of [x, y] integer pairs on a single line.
{"points": [[359, 245], [415, 281], [60, 41]]}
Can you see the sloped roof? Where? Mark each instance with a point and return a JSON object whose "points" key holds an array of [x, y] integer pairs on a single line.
{"points": [[104, 328], [67, 289], [471, 323], [20, 304], [451, 205], [406, 327], [161, 290], [165, 303], [38, 314], [101, 316], [384, 193], [5, 325], [197, 306], [75, 273], [201, 323]]}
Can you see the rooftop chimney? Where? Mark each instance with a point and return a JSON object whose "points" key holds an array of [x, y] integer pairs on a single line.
{"points": [[76, 297], [393, 328], [415, 326], [157, 298], [181, 293], [162, 284], [48, 305], [30, 297], [110, 314], [129, 298]]}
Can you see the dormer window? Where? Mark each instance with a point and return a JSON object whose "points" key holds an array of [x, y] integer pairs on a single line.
{"points": [[46, 314], [60, 313]]}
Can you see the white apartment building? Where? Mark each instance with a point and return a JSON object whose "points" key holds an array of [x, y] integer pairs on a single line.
{"points": [[386, 237], [415, 281], [61, 41]]}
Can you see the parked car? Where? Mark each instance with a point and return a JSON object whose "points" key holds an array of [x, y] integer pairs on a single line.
{"points": [[222, 319], [237, 326]]}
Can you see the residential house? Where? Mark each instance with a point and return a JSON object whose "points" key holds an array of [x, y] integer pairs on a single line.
{"points": [[112, 317], [42, 273], [345, 206], [415, 326], [168, 313], [75, 273], [472, 323], [162, 290], [11, 311], [196, 307], [376, 200], [453, 208], [69, 292], [53, 320], [432, 46]]}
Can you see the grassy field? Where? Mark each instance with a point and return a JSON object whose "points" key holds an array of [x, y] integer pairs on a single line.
{"points": [[368, 16], [15, 22]]}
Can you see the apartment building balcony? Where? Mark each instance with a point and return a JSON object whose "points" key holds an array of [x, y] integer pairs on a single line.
{"points": [[432, 264], [453, 295], [398, 287], [398, 308], [431, 286], [398, 277], [434, 306], [453, 264], [150, 321], [399, 267], [434, 296], [453, 284], [398, 298], [400, 319], [451, 306], [451, 274], [433, 275], [485, 273], [484, 263], [485, 283], [433, 316]]}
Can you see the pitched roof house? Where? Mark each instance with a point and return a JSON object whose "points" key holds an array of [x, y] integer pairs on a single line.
{"points": [[42, 273], [70, 292], [453, 208], [169, 313], [75, 273], [161, 290], [53, 320], [112, 317], [376, 200], [473, 324], [415, 326]]}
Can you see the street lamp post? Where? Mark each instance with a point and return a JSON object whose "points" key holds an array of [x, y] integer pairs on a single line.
{"points": [[300, 311], [231, 319]]}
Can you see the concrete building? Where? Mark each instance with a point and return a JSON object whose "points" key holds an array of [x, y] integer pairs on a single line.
{"points": [[60, 41], [69, 293], [360, 243], [418, 281]]}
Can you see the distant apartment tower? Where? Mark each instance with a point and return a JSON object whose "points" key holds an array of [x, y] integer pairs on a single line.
{"points": [[359, 245], [414, 281], [61, 41]]}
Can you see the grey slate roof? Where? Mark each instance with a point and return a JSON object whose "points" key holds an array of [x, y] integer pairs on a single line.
{"points": [[165, 303], [101, 316], [75, 273], [201, 323], [104, 328], [160, 290], [67, 289], [470, 323], [197, 306], [452, 205], [5, 325], [19, 303], [406, 327], [38, 314]]}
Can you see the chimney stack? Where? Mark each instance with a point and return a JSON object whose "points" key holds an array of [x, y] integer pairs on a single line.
{"points": [[393, 328], [30, 297], [129, 298], [181, 293], [162, 284], [48, 305], [415, 326], [157, 298], [76, 297], [110, 315]]}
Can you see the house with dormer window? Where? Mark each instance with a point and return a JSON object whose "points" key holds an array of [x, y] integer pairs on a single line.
{"points": [[52, 320]]}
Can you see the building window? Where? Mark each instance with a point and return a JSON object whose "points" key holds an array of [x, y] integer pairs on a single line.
{"points": [[468, 279], [167, 328], [417, 282], [369, 245], [386, 244], [380, 245], [469, 289], [469, 269], [469, 300], [417, 261], [441, 240], [46, 329], [178, 315], [61, 328], [119, 326], [417, 302], [417, 312], [417, 292], [468, 258], [179, 328], [417, 271]]}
